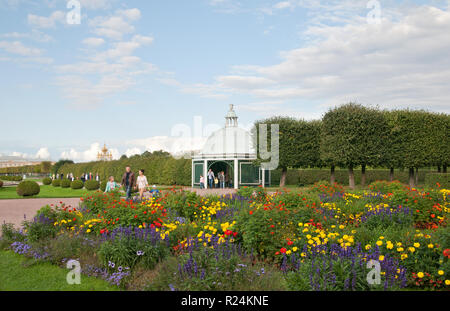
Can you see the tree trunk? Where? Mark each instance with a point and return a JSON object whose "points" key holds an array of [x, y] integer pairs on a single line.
{"points": [[332, 175], [444, 169], [439, 169], [351, 177], [391, 174], [411, 177], [417, 176], [363, 175], [283, 177]]}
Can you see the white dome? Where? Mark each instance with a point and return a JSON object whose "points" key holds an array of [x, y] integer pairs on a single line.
{"points": [[229, 142]]}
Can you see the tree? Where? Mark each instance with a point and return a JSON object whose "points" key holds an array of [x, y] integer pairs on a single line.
{"points": [[60, 163], [353, 135], [299, 143], [46, 166]]}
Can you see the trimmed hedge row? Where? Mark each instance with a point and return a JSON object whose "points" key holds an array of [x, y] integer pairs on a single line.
{"points": [[160, 170], [11, 178], [65, 183], [310, 176], [56, 183], [77, 184], [439, 180], [47, 181]]}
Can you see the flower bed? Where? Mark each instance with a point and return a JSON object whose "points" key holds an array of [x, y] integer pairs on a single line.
{"points": [[320, 239]]}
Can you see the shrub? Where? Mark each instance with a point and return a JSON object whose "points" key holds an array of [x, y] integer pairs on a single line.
{"points": [[65, 183], [40, 228], [76, 184], [386, 187], [91, 185], [56, 183], [28, 188], [47, 181], [103, 185], [11, 178], [437, 180], [1, 183]]}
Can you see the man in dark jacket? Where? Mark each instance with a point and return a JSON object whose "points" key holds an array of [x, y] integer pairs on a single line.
{"points": [[128, 182]]}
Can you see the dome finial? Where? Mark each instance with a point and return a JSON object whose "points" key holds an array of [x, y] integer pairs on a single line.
{"points": [[231, 118]]}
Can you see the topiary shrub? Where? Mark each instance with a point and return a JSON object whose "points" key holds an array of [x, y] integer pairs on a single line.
{"points": [[76, 184], [65, 183], [56, 183], [47, 181], [92, 185], [28, 188], [103, 186]]}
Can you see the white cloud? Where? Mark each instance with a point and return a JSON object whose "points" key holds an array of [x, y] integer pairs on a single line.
{"points": [[93, 42], [87, 155], [132, 151], [46, 22], [95, 4], [42, 154], [403, 62], [35, 35], [18, 48], [174, 145], [117, 25], [131, 14]]}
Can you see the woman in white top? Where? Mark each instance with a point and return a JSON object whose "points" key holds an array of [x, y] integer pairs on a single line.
{"points": [[141, 183]]}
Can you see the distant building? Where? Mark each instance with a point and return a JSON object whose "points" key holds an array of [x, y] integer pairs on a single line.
{"points": [[11, 161], [104, 155]]}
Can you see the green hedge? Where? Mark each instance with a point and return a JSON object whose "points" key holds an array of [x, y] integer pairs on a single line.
{"points": [[28, 188], [47, 181], [160, 170], [432, 180], [91, 185], [65, 183], [56, 183], [11, 178], [76, 184], [311, 176], [1, 183]]}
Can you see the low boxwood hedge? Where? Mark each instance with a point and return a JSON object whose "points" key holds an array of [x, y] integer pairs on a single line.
{"points": [[56, 183], [76, 184], [92, 185], [65, 183], [47, 181], [28, 188]]}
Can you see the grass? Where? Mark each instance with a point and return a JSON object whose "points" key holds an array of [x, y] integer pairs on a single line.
{"points": [[47, 192], [18, 273]]}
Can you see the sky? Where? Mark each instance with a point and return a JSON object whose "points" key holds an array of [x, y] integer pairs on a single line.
{"points": [[149, 75]]}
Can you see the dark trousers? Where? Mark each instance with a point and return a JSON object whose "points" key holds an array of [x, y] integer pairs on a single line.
{"points": [[128, 193]]}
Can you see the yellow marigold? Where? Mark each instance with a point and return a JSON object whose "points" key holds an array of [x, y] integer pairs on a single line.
{"points": [[400, 249], [416, 245], [447, 282], [381, 258], [441, 272], [368, 247], [420, 274], [411, 249], [430, 245], [379, 243], [294, 249]]}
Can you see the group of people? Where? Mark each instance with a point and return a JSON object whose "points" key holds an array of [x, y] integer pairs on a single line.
{"points": [[220, 181], [129, 183], [84, 177]]}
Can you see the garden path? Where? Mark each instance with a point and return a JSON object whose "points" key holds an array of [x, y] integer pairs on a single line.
{"points": [[13, 211]]}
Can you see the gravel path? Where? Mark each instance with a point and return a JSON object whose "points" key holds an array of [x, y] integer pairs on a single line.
{"points": [[13, 211]]}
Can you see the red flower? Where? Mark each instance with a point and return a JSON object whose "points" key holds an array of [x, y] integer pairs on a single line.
{"points": [[251, 212], [283, 250]]}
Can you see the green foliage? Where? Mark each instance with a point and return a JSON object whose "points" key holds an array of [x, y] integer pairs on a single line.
{"points": [[47, 181], [65, 183], [92, 185], [11, 178], [1, 183], [56, 183], [438, 180], [59, 164], [28, 188], [386, 186], [77, 184], [103, 185]]}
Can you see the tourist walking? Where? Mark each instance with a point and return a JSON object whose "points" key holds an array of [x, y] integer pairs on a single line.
{"points": [[111, 185], [142, 183], [202, 182], [222, 179], [128, 182], [216, 182], [97, 178], [210, 178]]}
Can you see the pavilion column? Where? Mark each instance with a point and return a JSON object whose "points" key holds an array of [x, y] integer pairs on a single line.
{"points": [[263, 179], [236, 174], [205, 173]]}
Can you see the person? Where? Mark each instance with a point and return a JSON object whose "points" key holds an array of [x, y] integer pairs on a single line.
{"points": [[83, 178], [111, 185], [210, 178], [216, 182], [142, 183], [202, 182], [97, 178], [221, 179], [91, 177], [128, 182]]}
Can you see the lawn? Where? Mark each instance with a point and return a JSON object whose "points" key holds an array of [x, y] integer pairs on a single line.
{"points": [[46, 192], [18, 273]]}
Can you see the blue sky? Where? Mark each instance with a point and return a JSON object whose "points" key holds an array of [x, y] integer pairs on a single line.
{"points": [[131, 71]]}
